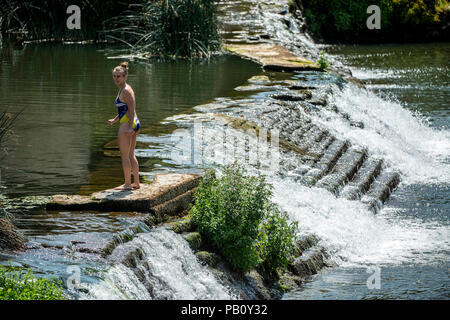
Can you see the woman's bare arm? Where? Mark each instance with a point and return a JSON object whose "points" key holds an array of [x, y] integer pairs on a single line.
{"points": [[112, 121]]}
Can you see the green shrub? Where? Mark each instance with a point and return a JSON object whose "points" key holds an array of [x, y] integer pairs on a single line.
{"points": [[18, 284], [322, 62], [276, 241], [235, 214]]}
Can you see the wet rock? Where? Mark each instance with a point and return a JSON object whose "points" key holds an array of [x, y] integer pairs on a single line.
{"points": [[304, 243], [259, 79], [256, 281], [288, 97], [320, 102], [182, 225], [193, 238], [123, 237], [288, 282], [209, 258], [308, 263]]}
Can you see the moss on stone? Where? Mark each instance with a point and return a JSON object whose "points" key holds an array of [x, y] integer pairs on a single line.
{"points": [[288, 282], [209, 258], [193, 238], [182, 225]]}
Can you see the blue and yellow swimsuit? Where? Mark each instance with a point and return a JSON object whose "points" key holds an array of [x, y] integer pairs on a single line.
{"points": [[122, 109]]}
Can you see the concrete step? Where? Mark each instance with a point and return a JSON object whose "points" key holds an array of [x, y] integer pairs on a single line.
{"points": [[167, 192], [344, 169], [326, 163], [380, 190], [362, 180]]}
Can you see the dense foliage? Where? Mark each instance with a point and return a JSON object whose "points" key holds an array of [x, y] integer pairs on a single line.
{"points": [[235, 214], [18, 284], [345, 20]]}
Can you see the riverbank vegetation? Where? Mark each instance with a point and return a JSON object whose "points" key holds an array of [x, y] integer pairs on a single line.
{"points": [[10, 237], [401, 20], [179, 28], [175, 28], [234, 213], [21, 284]]}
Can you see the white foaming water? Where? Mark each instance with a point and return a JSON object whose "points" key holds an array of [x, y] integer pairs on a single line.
{"points": [[353, 235], [350, 233], [401, 138], [173, 272], [120, 283]]}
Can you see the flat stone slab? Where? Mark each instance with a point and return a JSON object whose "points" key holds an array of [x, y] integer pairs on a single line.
{"points": [[165, 191], [272, 57]]}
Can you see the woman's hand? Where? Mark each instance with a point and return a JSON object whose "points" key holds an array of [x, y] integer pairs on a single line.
{"points": [[111, 122]]}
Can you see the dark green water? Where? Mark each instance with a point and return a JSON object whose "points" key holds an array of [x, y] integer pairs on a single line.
{"points": [[68, 95]]}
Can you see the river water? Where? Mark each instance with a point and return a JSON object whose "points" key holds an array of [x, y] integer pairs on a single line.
{"points": [[402, 252]]}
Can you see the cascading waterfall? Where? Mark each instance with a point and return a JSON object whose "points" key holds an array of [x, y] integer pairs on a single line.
{"points": [[347, 229], [400, 137], [351, 233], [168, 269]]}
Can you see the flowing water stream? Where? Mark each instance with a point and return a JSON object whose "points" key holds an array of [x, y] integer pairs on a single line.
{"points": [[400, 125]]}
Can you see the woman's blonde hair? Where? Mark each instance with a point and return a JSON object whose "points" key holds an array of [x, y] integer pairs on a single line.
{"points": [[123, 67]]}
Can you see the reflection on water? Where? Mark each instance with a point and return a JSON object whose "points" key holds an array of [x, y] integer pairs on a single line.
{"points": [[68, 95]]}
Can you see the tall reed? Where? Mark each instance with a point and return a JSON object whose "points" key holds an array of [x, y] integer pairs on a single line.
{"points": [[181, 28], [6, 122]]}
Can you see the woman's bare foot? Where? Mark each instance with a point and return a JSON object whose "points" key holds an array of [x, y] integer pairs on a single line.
{"points": [[135, 185], [124, 187]]}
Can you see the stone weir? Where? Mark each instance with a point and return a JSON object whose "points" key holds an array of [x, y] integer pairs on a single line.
{"points": [[167, 200], [168, 194]]}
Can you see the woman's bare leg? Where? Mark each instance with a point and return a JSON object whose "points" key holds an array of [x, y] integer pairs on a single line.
{"points": [[124, 142], [133, 161]]}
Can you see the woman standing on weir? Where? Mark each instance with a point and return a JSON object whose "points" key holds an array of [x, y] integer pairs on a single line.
{"points": [[129, 127]]}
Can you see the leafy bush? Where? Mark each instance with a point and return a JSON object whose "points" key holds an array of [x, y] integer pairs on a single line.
{"points": [[18, 284], [235, 214], [276, 240], [322, 62]]}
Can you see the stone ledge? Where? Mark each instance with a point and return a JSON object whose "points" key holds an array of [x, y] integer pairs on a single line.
{"points": [[272, 57], [169, 192]]}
